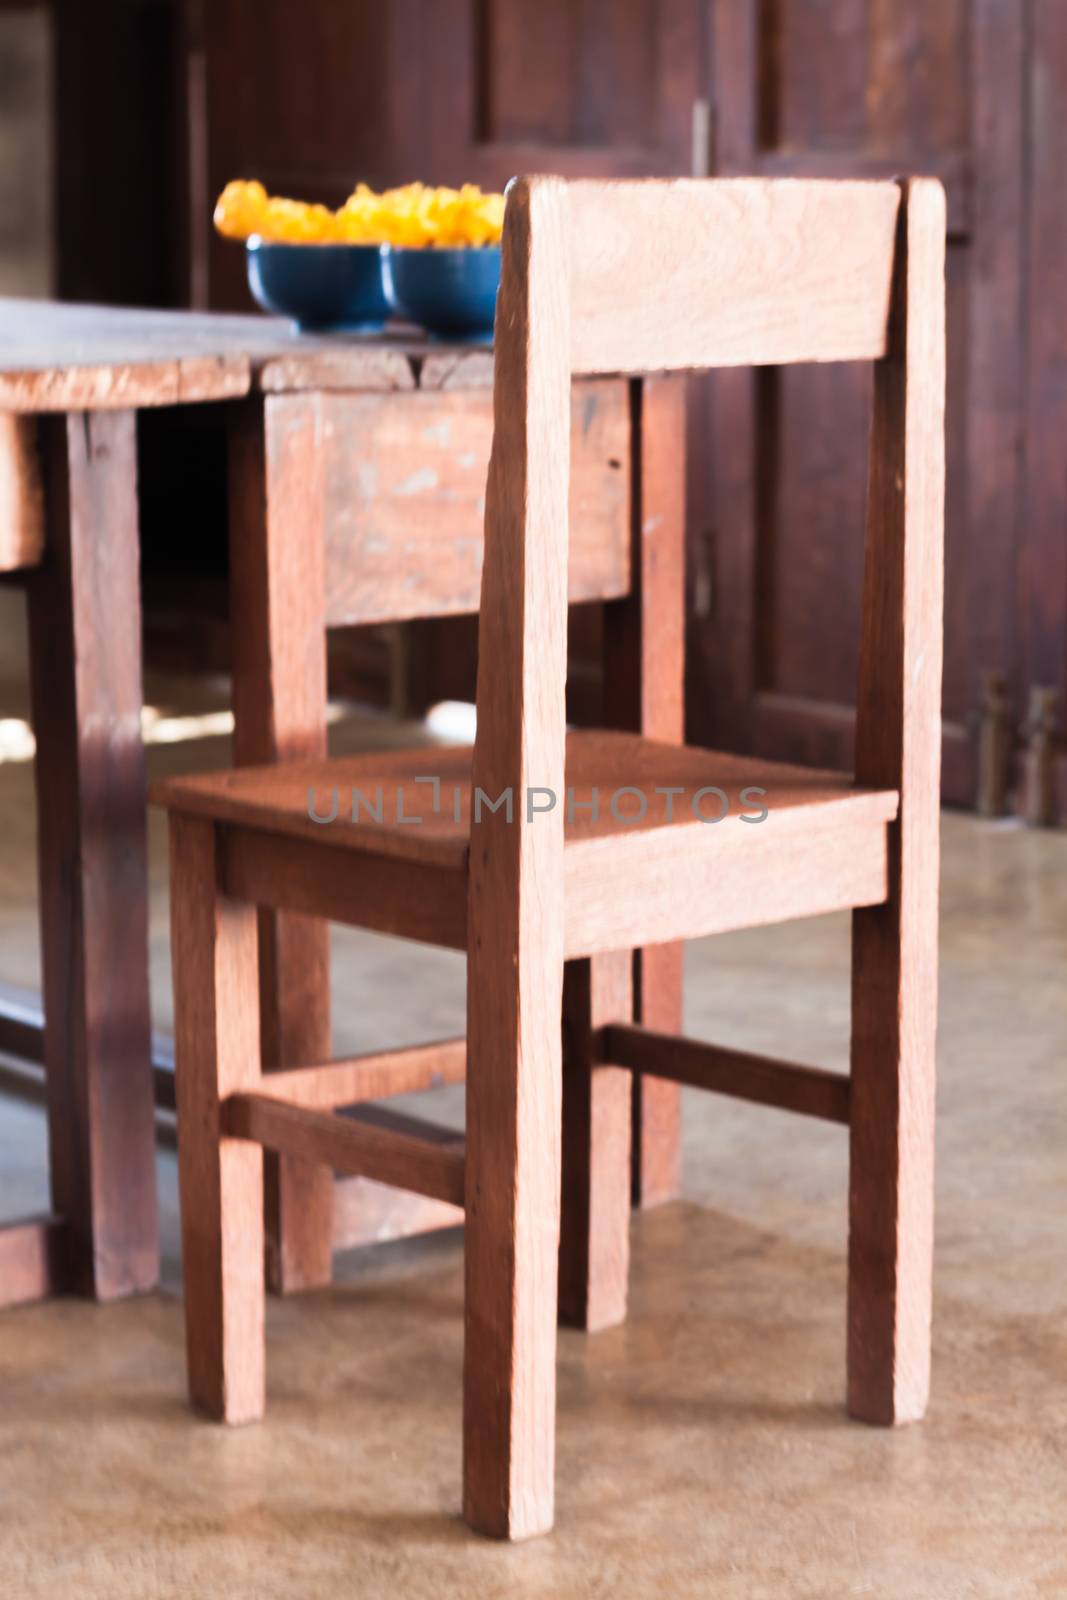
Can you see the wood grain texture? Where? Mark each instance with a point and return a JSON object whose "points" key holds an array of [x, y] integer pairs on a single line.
{"points": [[368, 1213], [85, 676], [791, 1087], [742, 272], [21, 494], [723, 418], [375, 367], [629, 879], [645, 889], [515, 950], [422, 1164], [576, 91], [63, 357], [371, 1077], [777, 494], [616, 784], [376, 796], [278, 645], [456, 369], [403, 500], [644, 678], [216, 1013], [594, 1253], [388, 362], [124, 385], [93, 358], [657, 1113], [34, 1260], [1042, 569], [411, 899], [894, 953]]}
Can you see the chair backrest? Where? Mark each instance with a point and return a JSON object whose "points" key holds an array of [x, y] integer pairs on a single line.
{"points": [[644, 276], [729, 272]]}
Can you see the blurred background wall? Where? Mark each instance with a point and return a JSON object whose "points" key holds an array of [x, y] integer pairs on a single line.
{"points": [[26, 230], [121, 119]]}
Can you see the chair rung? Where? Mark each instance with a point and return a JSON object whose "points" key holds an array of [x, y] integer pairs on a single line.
{"points": [[430, 1163], [808, 1090], [393, 1121], [371, 1077]]}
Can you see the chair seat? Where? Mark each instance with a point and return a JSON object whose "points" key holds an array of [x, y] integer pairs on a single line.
{"points": [[662, 842]]}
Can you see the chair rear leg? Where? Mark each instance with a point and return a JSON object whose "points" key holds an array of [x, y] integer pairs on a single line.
{"points": [[294, 979], [594, 1246], [891, 1156], [898, 746], [216, 1010]]}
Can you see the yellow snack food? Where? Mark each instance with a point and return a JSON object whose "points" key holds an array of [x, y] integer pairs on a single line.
{"points": [[413, 216], [240, 209], [295, 222]]}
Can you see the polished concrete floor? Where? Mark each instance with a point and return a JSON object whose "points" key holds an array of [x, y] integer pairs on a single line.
{"points": [[703, 1448]]}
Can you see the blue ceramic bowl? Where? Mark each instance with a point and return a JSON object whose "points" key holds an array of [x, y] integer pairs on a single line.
{"points": [[320, 286], [451, 293]]}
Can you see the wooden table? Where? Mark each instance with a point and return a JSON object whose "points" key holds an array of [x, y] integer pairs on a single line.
{"points": [[357, 471]]}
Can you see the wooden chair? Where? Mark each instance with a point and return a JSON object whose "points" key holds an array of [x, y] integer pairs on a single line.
{"points": [[601, 848]]}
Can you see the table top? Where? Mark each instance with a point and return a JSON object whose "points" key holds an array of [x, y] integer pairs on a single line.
{"points": [[56, 356]]}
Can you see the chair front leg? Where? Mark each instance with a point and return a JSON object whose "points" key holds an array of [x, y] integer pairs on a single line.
{"points": [[217, 1051], [514, 1061]]}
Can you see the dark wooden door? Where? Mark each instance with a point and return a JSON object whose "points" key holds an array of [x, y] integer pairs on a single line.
{"points": [[860, 87], [579, 87], [312, 97], [1039, 375]]}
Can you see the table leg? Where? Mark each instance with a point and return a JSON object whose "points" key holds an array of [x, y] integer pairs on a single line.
{"points": [[85, 648], [644, 648], [278, 634]]}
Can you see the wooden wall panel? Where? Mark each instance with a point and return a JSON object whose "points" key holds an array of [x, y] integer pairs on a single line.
{"points": [[854, 87], [577, 72], [1043, 568], [309, 99], [812, 451], [995, 353], [814, 86], [117, 125], [594, 88], [524, 71]]}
